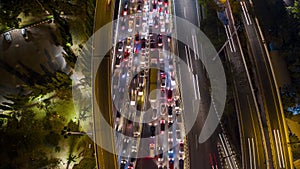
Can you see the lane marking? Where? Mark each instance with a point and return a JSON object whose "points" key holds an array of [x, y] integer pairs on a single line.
{"points": [[198, 90], [281, 151], [226, 153], [228, 38], [231, 38], [194, 85], [253, 148], [277, 148], [244, 12], [246, 9], [250, 154], [187, 58]]}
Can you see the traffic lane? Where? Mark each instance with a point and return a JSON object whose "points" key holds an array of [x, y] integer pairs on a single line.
{"points": [[199, 154], [101, 91], [40, 49], [187, 9], [267, 88], [257, 130], [251, 130], [248, 115]]}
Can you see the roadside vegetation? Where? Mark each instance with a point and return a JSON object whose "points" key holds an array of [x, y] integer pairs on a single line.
{"points": [[39, 127], [211, 25]]}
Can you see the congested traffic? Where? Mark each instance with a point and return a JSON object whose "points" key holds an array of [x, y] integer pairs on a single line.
{"points": [[145, 69]]}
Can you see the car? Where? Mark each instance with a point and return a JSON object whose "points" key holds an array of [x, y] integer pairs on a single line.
{"points": [[169, 38], [122, 24], [120, 46], [7, 37], [137, 38], [163, 84], [178, 135], [166, 3], [170, 111], [131, 12], [138, 21], [146, 7], [130, 23], [169, 94], [145, 16], [170, 138], [181, 148], [123, 164], [143, 43], [167, 18], [162, 125], [159, 2], [150, 19], [161, 166], [130, 166], [152, 130], [156, 22], [118, 60], [128, 42], [139, 6], [136, 48], [136, 134], [126, 54], [181, 164], [171, 164], [162, 27], [160, 155], [152, 44], [125, 9], [151, 150], [24, 33], [161, 14], [154, 7], [177, 104], [170, 122], [163, 75], [171, 154], [133, 97], [159, 40], [177, 113]]}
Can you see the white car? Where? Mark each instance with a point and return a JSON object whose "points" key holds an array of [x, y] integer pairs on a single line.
{"points": [[146, 8], [151, 150], [130, 26], [162, 27], [167, 18], [170, 139], [150, 21], [7, 37]]}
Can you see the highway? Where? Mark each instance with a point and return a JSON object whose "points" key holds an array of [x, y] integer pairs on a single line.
{"points": [[253, 147], [267, 122], [199, 154], [142, 48], [104, 159], [270, 102]]}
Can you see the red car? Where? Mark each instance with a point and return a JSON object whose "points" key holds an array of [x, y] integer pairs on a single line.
{"points": [[126, 54], [169, 94]]}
